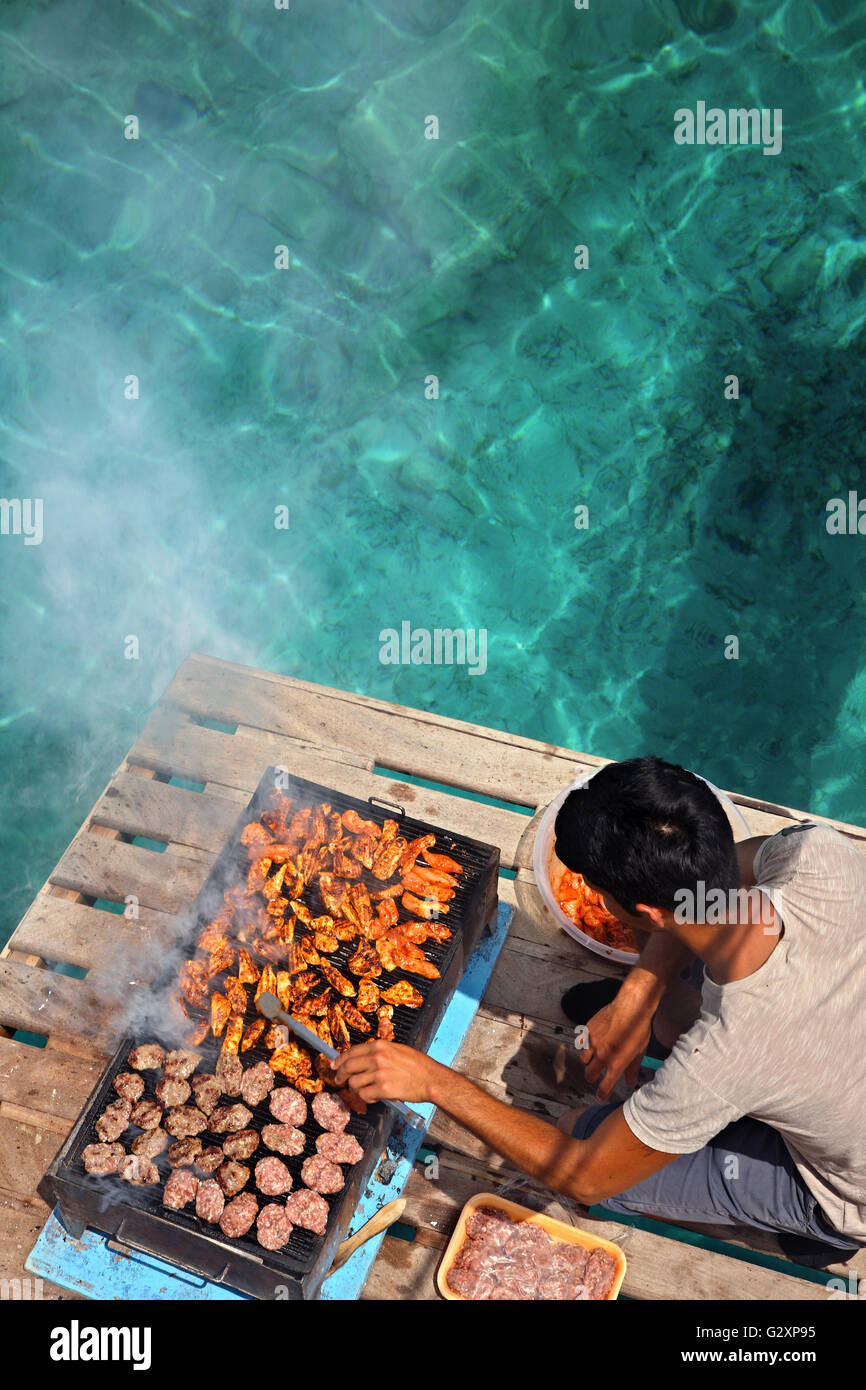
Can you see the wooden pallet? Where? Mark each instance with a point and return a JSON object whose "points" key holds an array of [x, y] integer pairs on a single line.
{"points": [[518, 1046]]}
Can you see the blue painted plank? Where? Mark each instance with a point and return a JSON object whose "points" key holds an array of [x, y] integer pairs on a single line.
{"points": [[89, 1267]]}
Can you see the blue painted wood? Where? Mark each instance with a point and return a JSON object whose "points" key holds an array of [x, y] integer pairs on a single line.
{"points": [[89, 1267]]}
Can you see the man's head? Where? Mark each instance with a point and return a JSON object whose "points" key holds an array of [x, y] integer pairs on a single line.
{"points": [[642, 830]]}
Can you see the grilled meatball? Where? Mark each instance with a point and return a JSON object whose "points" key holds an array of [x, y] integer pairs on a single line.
{"points": [[210, 1201], [273, 1227], [229, 1117], [273, 1177], [149, 1143], [307, 1209], [207, 1091], [184, 1152], [239, 1215], [232, 1176], [241, 1145], [183, 1121], [129, 1085], [257, 1083], [180, 1064], [180, 1189], [172, 1092], [229, 1073], [284, 1139], [321, 1174], [139, 1171], [103, 1159], [209, 1160], [146, 1114], [113, 1120], [339, 1148], [148, 1057], [331, 1111], [288, 1106]]}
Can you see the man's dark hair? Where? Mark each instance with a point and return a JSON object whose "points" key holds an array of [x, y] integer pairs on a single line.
{"points": [[643, 829]]}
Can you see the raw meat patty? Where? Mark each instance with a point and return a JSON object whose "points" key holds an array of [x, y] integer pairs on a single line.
{"points": [[321, 1174], [210, 1201], [273, 1227], [331, 1112], [339, 1148], [239, 1215], [288, 1106], [180, 1189], [307, 1209], [272, 1177]]}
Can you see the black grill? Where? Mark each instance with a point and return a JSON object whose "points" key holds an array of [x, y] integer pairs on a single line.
{"points": [[135, 1215]]}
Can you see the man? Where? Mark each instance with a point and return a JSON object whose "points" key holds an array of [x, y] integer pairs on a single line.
{"points": [[758, 1114]]}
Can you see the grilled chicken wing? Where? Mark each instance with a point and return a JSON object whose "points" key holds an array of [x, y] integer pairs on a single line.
{"points": [[403, 993], [234, 1033], [388, 858], [236, 994], [353, 822], [385, 1028], [193, 983], [253, 1033], [339, 982], [368, 996], [220, 1009], [429, 907], [248, 971]]}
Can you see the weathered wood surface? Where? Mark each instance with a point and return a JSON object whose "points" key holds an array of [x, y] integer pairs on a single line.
{"points": [[519, 1046]]}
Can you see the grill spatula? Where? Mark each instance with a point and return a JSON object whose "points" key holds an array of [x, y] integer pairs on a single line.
{"points": [[269, 1005]]}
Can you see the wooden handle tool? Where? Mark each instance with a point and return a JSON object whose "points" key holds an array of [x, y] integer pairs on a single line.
{"points": [[383, 1218]]}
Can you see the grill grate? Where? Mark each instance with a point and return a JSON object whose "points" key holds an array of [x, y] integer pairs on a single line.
{"points": [[306, 1258]]}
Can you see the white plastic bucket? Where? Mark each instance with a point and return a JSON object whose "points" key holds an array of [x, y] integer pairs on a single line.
{"points": [[548, 869]]}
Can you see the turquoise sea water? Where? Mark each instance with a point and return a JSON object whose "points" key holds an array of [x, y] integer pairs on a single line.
{"points": [[558, 387]]}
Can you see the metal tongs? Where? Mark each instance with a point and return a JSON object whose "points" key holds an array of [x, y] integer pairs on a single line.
{"points": [[269, 1005]]}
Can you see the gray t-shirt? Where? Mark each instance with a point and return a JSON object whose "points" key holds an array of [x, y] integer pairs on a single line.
{"points": [[787, 1044]]}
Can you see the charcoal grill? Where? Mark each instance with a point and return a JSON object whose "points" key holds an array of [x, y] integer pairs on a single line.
{"points": [[135, 1216]]}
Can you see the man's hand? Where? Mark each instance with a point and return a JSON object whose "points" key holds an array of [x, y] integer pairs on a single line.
{"points": [[618, 1038], [386, 1071]]}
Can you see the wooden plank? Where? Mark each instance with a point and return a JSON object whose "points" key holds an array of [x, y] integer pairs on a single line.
{"points": [[199, 754], [25, 1153], [38, 1000], [58, 1085], [20, 1224], [700, 1274], [158, 811], [78, 934], [407, 740], [403, 1270], [112, 870]]}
